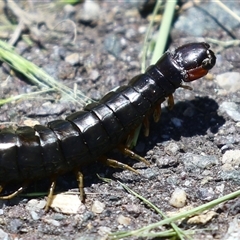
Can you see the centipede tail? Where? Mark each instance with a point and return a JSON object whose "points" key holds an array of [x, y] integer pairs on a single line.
{"points": [[85, 136]]}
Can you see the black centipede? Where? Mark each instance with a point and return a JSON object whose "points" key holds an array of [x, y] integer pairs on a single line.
{"points": [[31, 153]]}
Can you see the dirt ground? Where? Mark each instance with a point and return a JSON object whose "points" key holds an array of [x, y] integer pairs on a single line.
{"points": [[96, 47]]}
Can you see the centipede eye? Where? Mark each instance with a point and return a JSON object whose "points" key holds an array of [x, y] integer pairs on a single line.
{"points": [[209, 62]]}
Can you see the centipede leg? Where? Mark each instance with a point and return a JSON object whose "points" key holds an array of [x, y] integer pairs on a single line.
{"points": [[79, 177], [132, 154], [115, 164], [146, 126], [14, 194], [170, 101], [157, 113], [50, 194]]}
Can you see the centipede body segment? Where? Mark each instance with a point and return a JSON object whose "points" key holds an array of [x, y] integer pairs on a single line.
{"points": [[85, 136]]}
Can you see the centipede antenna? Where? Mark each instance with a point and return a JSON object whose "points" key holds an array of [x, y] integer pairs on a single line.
{"points": [[170, 102], [132, 154], [157, 113], [115, 164], [50, 194], [14, 194], [146, 126], [79, 177]]}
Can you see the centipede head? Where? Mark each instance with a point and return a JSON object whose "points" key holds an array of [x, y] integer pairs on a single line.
{"points": [[196, 59]]}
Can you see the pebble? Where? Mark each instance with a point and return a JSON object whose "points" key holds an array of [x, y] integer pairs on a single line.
{"points": [[89, 12], [233, 231], [194, 161], [233, 175], [177, 122], [229, 81], [124, 220], [178, 198], [3, 235], [35, 205], [132, 209], [98, 207], [232, 109], [189, 112], [205, 194], [202, 18], [102, 231], [202, 218], [113, 45], [52, 222], [34, 215], [66, 203], [172, 148], [73, 59], [165, 161], [15, 225], [47, 108], [231, 159]]}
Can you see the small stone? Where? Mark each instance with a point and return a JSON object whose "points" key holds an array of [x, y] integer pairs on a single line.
{"points": [[66, 203], [172, 148], [205, 194], [35, 205], [177, 122], [3, 235], [98, 207], [52, 222], [229, 81], [113, 45], [90, 12], [189, 112], [194, 162], [232, 109], [132, 209], [202, 218], [233, 231], [232, 157], [103, 231], [124, 220], [230, 174], [178, 198], [73, 59], [29, 122]]}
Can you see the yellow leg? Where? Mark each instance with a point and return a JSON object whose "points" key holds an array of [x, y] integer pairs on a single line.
{"points": [[170, 101], [146, 126], [79, 177], [115, 164], [157, 113], [132, 155], [14, 194], [50, 194]]}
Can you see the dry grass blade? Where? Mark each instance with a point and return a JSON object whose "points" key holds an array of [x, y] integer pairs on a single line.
{"points": [[36, 75]]}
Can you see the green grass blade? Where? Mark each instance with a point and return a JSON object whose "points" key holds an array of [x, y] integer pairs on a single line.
{"points": [[145, 230], [164, 30]]}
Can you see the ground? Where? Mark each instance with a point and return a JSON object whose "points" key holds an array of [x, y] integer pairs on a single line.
{"points": [[95, 49]]}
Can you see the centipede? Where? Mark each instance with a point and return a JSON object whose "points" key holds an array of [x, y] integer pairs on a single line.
{"points": [[33, 153]]}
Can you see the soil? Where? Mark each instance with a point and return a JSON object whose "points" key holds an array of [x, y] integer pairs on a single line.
{"points": [[96, 49]]}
